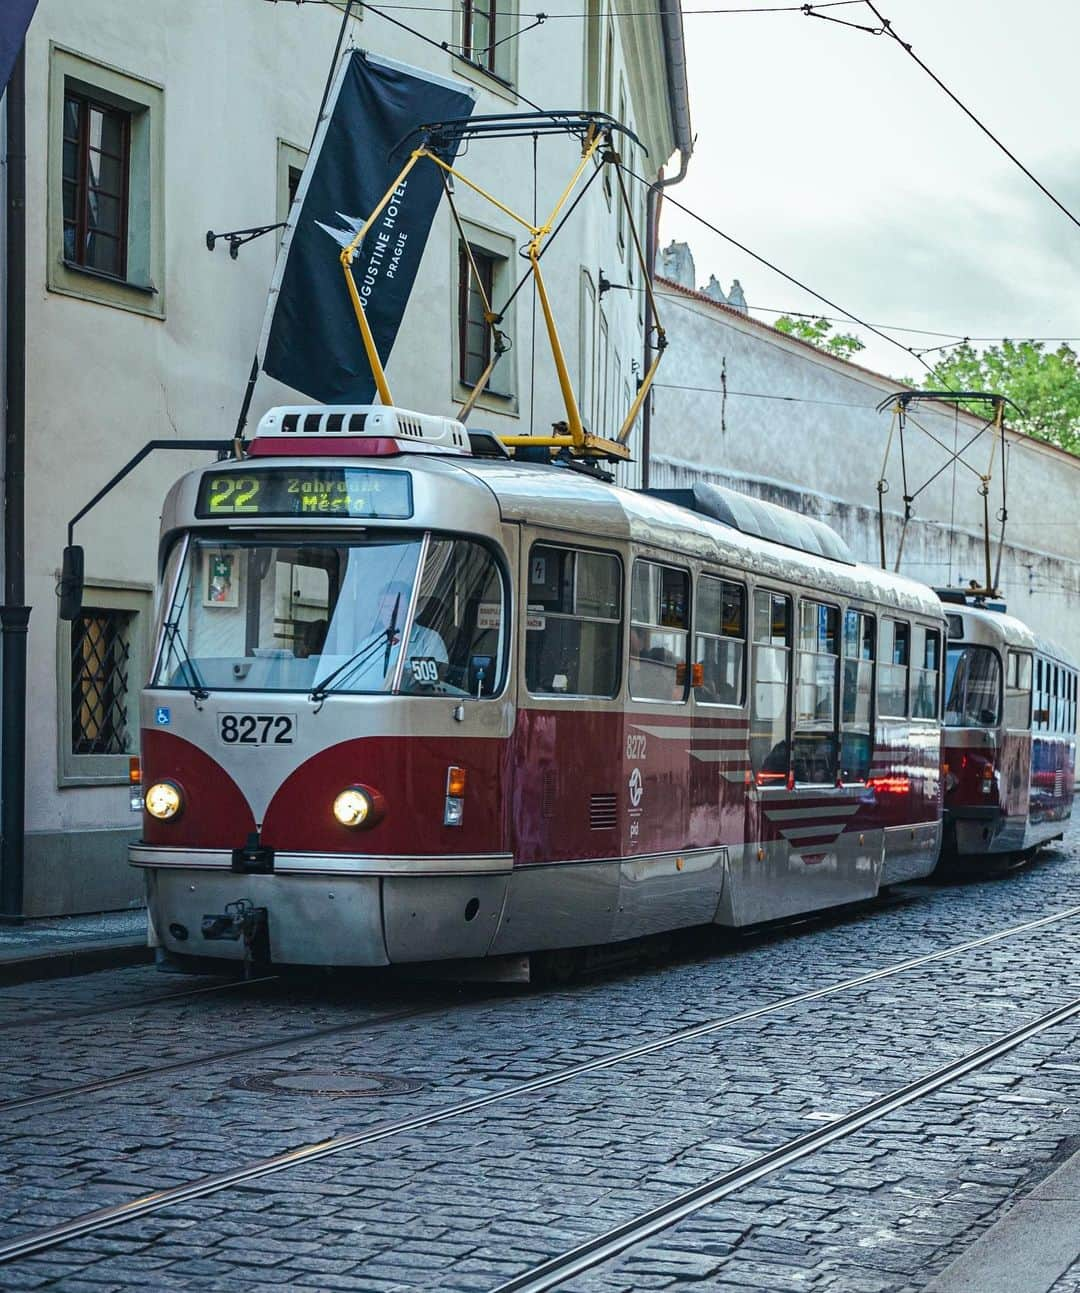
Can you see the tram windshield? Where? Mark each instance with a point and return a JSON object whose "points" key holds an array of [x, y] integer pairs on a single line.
{"points": [[320, 616], [972, 687]]}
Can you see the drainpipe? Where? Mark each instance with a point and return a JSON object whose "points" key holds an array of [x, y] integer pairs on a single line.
{"points": [[14, 615], [679, 99]]}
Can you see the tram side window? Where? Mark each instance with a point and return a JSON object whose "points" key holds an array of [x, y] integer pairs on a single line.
{"points": [[925, 673], [659, 631], [719, 642], [814, 746], [856, 741], [1018, 691], [1041, 712], [973, 691], [769, 754], [456, 643], [573, 622], [893, 661]]}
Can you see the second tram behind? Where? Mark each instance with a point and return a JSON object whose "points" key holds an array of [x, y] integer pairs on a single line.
{"points": [[1009, 740], [412, 700]]}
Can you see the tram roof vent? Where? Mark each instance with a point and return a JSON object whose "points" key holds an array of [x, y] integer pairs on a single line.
{"points": [[759, 517], [363, 429]]}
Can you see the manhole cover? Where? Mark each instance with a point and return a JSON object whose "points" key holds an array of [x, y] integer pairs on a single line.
{"points": [[322, 1082]]}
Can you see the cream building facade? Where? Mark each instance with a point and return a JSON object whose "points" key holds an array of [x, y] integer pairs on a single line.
{"points": [[740, 404], [195, 115]]}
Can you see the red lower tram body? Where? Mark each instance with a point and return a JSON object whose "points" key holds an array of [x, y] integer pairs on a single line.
{"points": [[1005, 792], [1009, 735], [578, 828]]}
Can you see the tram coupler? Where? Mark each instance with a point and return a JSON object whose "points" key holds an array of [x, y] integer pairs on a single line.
{"points": [[254, 858], [241, 919]]}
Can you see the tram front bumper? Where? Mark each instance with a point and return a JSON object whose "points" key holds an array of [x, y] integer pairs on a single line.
{"points": [[367, 912]]}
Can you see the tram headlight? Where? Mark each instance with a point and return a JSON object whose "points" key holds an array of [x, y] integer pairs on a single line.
{"points": [[164, 800], [355, 806]]}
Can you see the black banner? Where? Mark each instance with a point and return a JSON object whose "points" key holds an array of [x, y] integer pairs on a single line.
{"points": [[15, 17], [311, 340]]}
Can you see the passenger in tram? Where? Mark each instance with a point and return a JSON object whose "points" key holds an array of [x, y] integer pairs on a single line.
{"points": [[376, 646], [424, 643]]}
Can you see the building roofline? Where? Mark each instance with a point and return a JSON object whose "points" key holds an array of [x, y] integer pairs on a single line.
{"points": [[823, 355]]}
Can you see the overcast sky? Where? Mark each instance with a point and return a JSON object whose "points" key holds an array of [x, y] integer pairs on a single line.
{"points": [[831, 153]]}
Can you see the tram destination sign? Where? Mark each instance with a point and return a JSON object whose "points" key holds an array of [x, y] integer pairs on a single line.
{"points": [[305, 491]]}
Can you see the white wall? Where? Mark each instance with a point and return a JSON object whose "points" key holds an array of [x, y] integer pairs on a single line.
{"points": [[237, 78], [802, 429]]}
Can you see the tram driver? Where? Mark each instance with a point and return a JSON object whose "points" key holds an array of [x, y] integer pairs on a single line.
{"points": [[377, 645]]}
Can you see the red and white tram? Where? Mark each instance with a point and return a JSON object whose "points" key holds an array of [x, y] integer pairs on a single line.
{"points": [[1009, 736], [414, 700]]}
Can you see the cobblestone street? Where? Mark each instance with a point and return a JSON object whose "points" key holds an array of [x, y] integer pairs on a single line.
{"points": [[434, 1196]]}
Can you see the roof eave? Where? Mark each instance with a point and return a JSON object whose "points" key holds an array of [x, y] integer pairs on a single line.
{"points": [[671, 20]]}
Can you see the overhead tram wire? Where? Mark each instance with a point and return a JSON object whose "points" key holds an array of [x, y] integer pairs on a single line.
{"points": [[614, 13], [444, 46], [853, 318], [839, 318], [887, 29]]}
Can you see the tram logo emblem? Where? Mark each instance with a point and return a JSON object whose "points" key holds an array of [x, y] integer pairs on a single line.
{"points": [[163, 716], [636, 788]]}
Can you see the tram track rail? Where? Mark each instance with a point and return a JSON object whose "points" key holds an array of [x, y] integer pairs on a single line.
{"points": [[89, 1223], [556, 1271], [219, 1057], [178, 1066], [62, 1016]]}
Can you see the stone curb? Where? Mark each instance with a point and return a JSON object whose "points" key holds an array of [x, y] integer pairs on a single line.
{"points": [[66, 961], [1029, 1248]]}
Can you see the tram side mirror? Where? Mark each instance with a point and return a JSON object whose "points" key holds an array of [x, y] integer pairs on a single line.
{"points": [[70, 588]]}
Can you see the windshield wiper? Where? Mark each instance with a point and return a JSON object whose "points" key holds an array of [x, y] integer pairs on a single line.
{"points": [[358, 659], [194, 682]]}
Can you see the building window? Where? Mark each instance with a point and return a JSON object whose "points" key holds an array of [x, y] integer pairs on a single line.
{"points": [[472, 340], [479, 32], [293, 182], [102, 663], [106, 186], [474, 334], [100, 675], [97, 155]]}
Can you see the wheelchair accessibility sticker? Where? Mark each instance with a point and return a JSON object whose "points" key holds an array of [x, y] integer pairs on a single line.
{"points": [[163, 716]]}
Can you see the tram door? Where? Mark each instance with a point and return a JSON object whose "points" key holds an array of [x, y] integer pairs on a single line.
{"points": [[1016, 746]]}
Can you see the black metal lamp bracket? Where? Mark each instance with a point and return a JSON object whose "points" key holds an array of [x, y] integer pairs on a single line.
{"points": [[237, 237]]}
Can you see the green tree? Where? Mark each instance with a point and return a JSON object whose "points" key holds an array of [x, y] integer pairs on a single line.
{"points": [[817, 331], [1045, 385]]}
